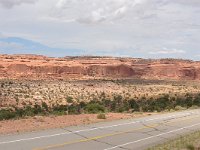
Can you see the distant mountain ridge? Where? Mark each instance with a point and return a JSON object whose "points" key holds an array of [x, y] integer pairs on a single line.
{"points": [[87, 67], [16, 45]]}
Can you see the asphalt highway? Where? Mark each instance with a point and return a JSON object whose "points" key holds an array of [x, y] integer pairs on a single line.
{"points": [[132, 134]]}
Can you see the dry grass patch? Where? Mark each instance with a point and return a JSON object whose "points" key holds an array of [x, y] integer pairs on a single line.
{"points": [[187, 142]]}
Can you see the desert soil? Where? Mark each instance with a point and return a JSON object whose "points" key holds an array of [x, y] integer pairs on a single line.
{"points": [[48, 122]]}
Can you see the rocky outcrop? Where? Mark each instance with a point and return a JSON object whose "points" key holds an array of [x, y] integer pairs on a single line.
{"points": [[41, 67]]}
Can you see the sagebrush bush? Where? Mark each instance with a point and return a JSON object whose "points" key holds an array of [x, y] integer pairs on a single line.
{"points": [[101, 116]]}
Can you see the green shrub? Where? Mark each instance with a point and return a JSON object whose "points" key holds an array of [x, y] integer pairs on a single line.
{"points": [[29, 111], [196, 100], [113, 106], [190, 147], [19, 112], [134, 105], [94, 108], [107, 103], [60, 108], [6, 114], [69, 99], [180, 108], [101, 116], [37, 109], [194, 107], [45, 106], [117, 104], [59, 113], [74, 109], [82, 104]]}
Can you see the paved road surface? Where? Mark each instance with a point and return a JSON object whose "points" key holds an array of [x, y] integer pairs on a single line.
{"points": [[132, 134]]}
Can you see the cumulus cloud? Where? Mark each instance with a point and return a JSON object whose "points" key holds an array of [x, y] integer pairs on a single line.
{"points": [[94, 11], [11, 3], [138, 28], [98, 11]]}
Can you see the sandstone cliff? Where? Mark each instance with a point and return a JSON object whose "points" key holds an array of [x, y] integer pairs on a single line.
{"points": [[41, 67]]}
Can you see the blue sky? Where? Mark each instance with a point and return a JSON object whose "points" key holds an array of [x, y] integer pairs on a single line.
{"points": [[130, 28]]}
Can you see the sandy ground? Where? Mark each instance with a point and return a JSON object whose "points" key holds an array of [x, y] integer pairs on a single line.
{"points": [[42, 123]]}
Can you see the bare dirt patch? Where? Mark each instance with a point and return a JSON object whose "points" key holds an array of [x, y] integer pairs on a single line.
{"points": [[42, 123]]}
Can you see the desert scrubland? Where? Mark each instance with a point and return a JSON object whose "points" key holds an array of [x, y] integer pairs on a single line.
{"points": [[32, 85]]}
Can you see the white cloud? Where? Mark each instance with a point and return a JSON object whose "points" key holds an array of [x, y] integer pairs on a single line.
{"points": [[1, 35], [187, 2], [140, 28], [11, 3], [168, 51], [98, 11], [94, 11]]}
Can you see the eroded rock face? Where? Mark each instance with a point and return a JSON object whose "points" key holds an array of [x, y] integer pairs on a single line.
{"points": [[41, 67]]}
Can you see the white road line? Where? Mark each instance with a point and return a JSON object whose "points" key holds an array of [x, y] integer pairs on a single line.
{"points": [[103, 127], [150, 137]]}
